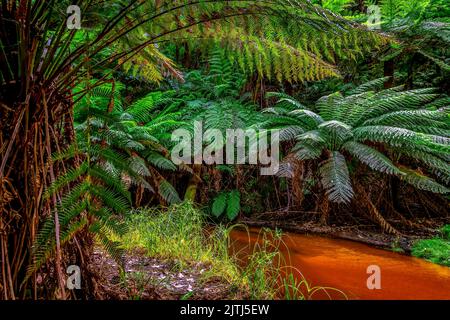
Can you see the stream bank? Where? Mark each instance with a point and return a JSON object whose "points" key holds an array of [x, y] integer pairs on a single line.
{"points": [[400, 243], [342, 266]]}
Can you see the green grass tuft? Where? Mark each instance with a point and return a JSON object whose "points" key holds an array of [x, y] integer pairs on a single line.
{"points": [[178, 234]]}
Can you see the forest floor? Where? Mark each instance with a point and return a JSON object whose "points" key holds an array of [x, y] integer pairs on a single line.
{"points": [[171, 253], [148, 278]]}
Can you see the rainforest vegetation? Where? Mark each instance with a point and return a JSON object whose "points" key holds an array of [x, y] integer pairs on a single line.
{"points": [[91, 92]]}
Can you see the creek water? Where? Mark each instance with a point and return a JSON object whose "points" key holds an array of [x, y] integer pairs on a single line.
{"points": [[342, 265]]}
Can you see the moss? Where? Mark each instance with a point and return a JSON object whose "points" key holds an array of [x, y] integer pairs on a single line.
{"points": [[446, 232], [436, 250]]}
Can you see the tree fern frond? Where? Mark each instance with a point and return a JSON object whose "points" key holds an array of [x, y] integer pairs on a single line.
{"points": [[63, 180], [109, 222], [160, 161], [371, 85], [112, 247], [438, 166], [168, 192], [111, 199], [335, 178], [371, 157], [398, 137], [422, 182], [410, 118], [110, 180]]}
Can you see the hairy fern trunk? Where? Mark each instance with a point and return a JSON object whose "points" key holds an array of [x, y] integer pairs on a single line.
{"points": [[194, 182], [33, 134]]}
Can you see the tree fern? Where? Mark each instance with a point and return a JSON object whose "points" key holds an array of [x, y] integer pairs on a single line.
{"points": [[353, 125], [168, 192], [110, 146]]}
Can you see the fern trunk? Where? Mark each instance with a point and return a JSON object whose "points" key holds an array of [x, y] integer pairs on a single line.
{"points": [[26, 171], [389, 67], [194, 182]]}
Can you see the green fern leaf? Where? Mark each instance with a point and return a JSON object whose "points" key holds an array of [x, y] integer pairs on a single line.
{"points": [[233, 204]]}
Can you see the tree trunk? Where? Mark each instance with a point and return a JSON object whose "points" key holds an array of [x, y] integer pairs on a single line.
{"points": [[191, 191]]}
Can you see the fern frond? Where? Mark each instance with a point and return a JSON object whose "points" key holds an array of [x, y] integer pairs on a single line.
{"points": [[422, 182], [62, 181], [371, 157], [168, 192], [335, 178]]}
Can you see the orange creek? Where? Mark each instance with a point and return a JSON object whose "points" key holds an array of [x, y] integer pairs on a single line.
{"points": [[342, 264]]}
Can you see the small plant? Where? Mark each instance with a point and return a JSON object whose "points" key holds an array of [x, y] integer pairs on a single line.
{"points": [[395, 247], [136, 283], [262, 269], [445, 231], [435, 250], [228, 203]]}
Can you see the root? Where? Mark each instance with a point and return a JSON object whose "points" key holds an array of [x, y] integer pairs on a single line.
{"points": [[374, 213]]}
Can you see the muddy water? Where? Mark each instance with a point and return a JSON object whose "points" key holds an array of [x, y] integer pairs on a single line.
{"points": [[342, 265]]}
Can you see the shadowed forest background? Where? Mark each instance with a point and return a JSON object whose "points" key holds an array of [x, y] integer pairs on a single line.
{"points": [[359, 91]]}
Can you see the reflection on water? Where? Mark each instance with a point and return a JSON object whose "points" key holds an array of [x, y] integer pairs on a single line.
{"points": [[342, 264]]}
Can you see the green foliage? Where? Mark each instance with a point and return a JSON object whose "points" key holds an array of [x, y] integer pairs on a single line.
{"points": [[219, 205], [423, 39], [336, 179], [361, 125], [445, 230], [421, 29], [296, 42], [423, 46], [134, 140], [436, 250], [227, 202], [234, 204], [46, 69], [172, 233], [211, 96], [177, 234], [398, 9], [338, 6], [113, 150]]}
